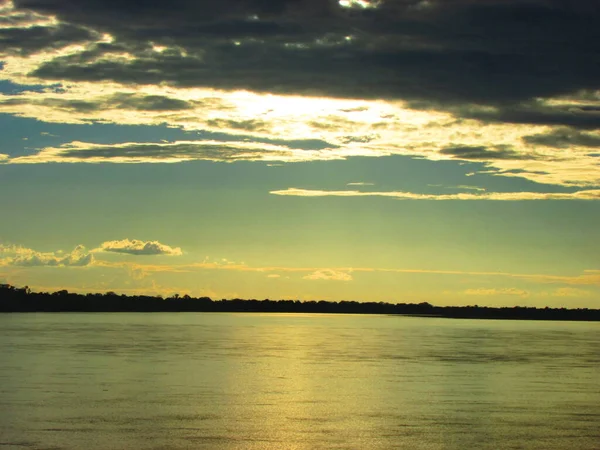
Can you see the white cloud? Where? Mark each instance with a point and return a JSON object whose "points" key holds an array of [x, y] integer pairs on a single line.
{"points": [[328, 274], [591, 194], [21, 256], [467, 187], [137, 247]]}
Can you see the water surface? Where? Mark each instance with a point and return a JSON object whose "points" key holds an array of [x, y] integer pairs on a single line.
{"points": [[296, 381]]}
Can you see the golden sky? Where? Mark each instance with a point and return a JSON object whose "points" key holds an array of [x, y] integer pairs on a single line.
{"points": [[391, 150]]}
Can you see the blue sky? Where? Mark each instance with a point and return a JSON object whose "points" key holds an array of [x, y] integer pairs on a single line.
{"points": [[158, 159]]}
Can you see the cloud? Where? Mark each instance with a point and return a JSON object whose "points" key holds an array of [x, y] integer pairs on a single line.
{"points": [[328, 274], [360, 183], [570, 292], [467, 187], [592, 194], [247, 125], [283, 129], [559, 292], [589, 277], [32, 38], [564, 138], [15, 255], [483, 153], [480, 292], [26, 257], [568, 112], [517, 89], [394, 50], [169, 152], [137, 247], [116, 101]]}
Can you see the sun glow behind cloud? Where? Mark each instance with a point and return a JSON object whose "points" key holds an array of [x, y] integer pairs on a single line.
{"points": [[349, 128], [360, 127], [358, 3]]}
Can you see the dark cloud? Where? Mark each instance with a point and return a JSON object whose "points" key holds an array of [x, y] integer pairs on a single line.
{"points": [[157, 152], [22, 18], [484, 153], [237, 148], [364, 139], [500, 52], [523, 171], [147, 102], [246, 125], [28, 40], [564, 138], [537, 113], [534, 112], [300, 144], [117, 101]]}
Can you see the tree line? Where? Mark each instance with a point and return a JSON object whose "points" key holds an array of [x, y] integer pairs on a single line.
{"points": [[13, 299]]}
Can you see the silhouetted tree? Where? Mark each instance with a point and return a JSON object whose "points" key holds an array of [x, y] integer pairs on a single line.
{"points": [[14, 299]]}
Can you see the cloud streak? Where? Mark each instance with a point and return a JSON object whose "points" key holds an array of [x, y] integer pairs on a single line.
{"points": [[588, 277], [486, 292], [563, 292], [592, 194], [172, 152]]}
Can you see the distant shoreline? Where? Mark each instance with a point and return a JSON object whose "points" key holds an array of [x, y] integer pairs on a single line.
{"points": [[14, 300]]}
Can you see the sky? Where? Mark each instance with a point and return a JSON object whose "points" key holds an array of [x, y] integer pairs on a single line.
{"points": [[441, 151]]}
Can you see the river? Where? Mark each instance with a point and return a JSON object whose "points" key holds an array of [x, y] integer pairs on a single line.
{"points": [[296, 381]]}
